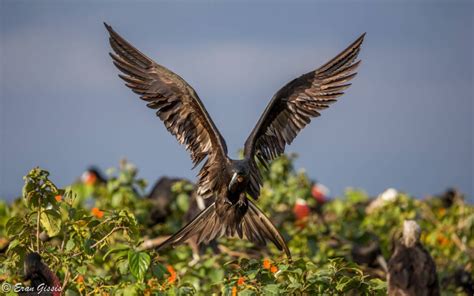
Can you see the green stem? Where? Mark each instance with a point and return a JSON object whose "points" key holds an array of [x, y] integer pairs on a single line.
{"points": [[38, 229]]}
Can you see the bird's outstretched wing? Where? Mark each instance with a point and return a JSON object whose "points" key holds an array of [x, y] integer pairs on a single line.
{"points": [[293, 106], [177, 105]]}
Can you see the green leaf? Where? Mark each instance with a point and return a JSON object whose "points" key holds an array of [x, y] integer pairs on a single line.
{"points": [[183, 202], [82, 269], [13, 244], [14, 225], [70, 245], [138, 263], [159, 270], [272, 289], [51, 221], [216, 275]]}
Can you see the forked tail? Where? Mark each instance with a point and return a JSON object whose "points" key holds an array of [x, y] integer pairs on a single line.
{"points": [[206, 226]]}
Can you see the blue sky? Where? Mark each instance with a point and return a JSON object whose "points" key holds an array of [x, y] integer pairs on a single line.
{"points": [[406, 122]]}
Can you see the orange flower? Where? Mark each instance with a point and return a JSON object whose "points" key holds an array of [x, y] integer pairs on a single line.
{"points": [[234, 291], [240, 281], [442, 240], [58, 198], [98, 213], [172, 272], [80, 279], [266, 263], [274, 269], [442, 212]]}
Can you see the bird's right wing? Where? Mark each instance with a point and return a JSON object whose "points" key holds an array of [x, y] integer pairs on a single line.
{"points": [[293, 106], [177, 105]]}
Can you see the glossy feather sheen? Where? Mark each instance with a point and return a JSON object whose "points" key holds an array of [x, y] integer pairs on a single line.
{"points": [[177, 105], [183, 114]]}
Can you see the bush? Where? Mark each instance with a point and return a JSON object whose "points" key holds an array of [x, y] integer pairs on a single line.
{"points": [[91, 236]]}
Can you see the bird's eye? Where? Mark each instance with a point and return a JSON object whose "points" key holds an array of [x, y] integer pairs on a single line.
{"points": [[240, 179]]}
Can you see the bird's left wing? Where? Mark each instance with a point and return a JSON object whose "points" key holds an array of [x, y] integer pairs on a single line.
{"points": [[293, 106], [177, 105]]}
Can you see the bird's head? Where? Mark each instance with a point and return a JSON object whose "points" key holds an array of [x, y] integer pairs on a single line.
{"points": [[411, 233], [239, 174]]}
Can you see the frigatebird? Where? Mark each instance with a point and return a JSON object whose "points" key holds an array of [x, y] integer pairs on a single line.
{"points": [[41, 277], [411, 269], [230, 181]]}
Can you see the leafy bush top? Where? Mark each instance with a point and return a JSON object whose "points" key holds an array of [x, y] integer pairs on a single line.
{"points": [[91, 236]]}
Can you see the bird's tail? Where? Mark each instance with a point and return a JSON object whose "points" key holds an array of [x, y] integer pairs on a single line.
{"points": [[206, 226]]}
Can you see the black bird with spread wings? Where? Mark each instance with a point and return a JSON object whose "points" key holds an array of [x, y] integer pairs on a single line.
{"points": [[226, 180]]}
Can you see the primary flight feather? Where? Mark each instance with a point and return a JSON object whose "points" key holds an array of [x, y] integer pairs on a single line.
{"points": [[225, 180]]}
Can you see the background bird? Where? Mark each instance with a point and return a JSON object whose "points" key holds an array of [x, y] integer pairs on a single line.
{"points": [[161, 197], [411, 270], [227, 180], [40, 276]]}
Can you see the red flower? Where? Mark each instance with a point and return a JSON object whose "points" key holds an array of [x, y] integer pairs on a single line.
{"points": [[301, 209], [58, 198], [240, 281]]}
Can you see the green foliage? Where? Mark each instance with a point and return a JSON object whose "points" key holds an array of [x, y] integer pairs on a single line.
{"points": [[94, 235]]}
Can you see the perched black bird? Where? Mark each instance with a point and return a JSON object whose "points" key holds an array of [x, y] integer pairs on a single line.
{"points": [[161, 196], [462, 279], [369, 254], [42, 279], [411, 270], [450, 197], [228, 180]]}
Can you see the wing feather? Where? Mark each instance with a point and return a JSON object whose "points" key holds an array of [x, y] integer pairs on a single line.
{"points": [[176, 104], [293, 106]]}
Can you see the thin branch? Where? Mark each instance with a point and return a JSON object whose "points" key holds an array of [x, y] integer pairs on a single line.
{"points": [[102, 239], [66, 279], [108, 234], [38, 229]]}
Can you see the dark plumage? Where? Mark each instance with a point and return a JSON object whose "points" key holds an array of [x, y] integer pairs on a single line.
{"points": [[227, 180], [450, 197], [161, 196], [40, 276], [411, 270], [369, 254], [462, 279]]}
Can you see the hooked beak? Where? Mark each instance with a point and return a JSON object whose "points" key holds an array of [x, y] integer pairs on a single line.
{"points": [[233, 181]]}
